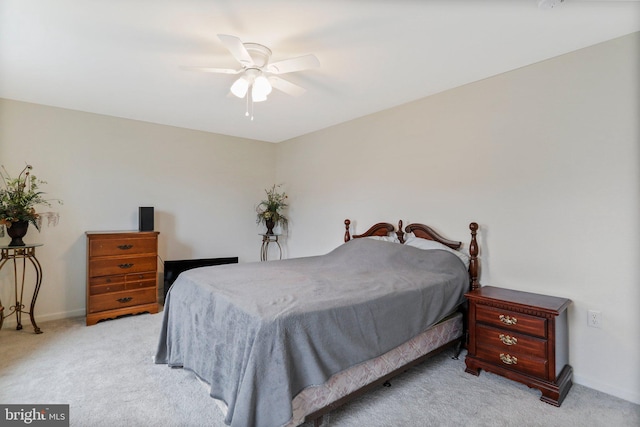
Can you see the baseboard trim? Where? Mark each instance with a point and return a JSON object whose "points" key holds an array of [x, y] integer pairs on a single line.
{"points": [[628, 395], [11, 322]]}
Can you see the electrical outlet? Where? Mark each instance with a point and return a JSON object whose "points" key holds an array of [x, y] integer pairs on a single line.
{"points": [[594, 318]]}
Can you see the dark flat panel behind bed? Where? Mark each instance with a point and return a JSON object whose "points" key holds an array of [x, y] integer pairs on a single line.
{"points": [[172, 269]]}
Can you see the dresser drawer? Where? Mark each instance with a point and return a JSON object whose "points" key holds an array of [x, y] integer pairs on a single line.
{"points": [[104, 289], [121, 299], [106, 280], [141, 280], [125, 265], [122, 246], [507, 341], [511, 320], [136, 277], [138, 284], [517, 362]]}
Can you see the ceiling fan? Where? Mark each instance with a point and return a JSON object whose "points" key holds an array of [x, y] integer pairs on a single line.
{"points": [[258, 75]]}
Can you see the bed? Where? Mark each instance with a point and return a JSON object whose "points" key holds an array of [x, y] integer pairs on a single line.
{"points": [[284, 342]]}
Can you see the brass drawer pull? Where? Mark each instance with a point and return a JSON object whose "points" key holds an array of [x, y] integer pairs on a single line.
{"points": [[125, 247], [508, 320], [125, 299], [507, 359], [125, 265], [507, 340]]}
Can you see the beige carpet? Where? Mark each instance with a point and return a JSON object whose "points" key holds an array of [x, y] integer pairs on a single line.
{"points": [[105, 372]]}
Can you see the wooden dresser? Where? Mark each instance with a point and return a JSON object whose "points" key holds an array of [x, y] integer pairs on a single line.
{"points": [[521, 336], [122, 274]]}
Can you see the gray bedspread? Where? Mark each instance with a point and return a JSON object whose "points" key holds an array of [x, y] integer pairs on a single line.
{"points": [[259, 333]]}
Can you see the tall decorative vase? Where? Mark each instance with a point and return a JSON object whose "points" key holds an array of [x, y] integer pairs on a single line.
{"points": [[270, 224], [17, 231]]}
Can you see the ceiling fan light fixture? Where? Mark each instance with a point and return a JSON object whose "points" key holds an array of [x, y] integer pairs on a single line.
{"points": [[257, 96], [240, 87], [261, 88]]}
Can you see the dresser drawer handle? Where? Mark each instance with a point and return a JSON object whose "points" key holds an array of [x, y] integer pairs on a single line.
{"points": [[125, 247], [125, 265], [125, 299], [508, 359], [508, 320], [507, 340]]}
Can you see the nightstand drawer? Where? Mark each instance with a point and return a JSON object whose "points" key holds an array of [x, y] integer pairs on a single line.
{"points": [[507, 341], [517, 362], [511, 320]]}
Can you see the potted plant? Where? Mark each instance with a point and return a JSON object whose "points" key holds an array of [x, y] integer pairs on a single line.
{"points": [[18, 199], [270, 210]]}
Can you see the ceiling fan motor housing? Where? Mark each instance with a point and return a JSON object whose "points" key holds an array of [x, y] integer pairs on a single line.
{"points": [[259, 54]]}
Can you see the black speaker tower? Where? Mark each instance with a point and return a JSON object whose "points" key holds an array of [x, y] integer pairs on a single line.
{"points": [[145, 218]]}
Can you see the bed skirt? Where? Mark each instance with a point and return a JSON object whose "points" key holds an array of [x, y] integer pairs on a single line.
{"points": [[313, 398], [348, 381]]}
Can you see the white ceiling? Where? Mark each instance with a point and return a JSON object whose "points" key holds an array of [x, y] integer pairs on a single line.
{"points": [[123, 57]]}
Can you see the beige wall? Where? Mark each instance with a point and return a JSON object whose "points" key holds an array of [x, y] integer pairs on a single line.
{"points": [[204, 188], [544, 158]]}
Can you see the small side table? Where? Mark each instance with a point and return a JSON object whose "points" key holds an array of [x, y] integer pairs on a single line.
{"points": [[24, 253], [521, 336], [266, 240]]}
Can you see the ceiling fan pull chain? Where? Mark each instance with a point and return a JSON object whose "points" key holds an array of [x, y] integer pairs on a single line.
{"points": [[251, 102], [246, 113]]}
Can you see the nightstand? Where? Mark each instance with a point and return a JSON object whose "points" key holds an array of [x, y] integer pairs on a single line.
{"points": [[521, 336]]}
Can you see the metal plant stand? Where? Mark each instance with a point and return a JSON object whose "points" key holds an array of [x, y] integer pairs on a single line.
{"points": [[15, 254], [266, 240]]}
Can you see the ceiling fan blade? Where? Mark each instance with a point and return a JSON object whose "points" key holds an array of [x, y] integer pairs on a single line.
{"points": [[213, 70], [286, 86], [294, 64], [237, 49]]}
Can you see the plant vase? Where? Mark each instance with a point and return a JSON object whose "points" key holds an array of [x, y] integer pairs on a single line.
{"points": [[17, 231], [270, 224]]}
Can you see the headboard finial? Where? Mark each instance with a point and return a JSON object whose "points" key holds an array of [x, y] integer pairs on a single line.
{"points": [[400, 233], [473, 253], [347, 236]]}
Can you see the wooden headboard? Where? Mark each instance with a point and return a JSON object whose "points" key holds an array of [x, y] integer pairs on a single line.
{"points": [[380, 229], [424, 232]]}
